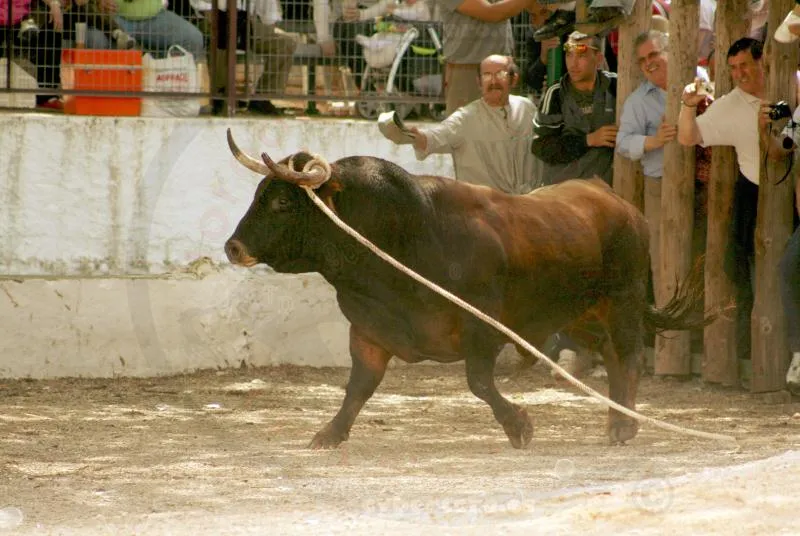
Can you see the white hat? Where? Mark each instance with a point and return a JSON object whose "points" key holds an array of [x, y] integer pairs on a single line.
{"points": [[783, 34], [388, 125]]}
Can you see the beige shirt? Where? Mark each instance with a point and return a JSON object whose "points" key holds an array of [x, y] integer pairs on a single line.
{"points": [[733, 120], [490, 146]]}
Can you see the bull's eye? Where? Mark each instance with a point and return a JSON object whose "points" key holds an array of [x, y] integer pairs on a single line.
{"points": [[279, 204]]}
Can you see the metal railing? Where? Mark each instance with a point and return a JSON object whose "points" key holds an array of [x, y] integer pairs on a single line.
{"points": [[387, 55]]}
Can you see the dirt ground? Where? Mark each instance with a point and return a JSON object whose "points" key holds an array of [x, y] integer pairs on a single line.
{"points": [[224, 453]]}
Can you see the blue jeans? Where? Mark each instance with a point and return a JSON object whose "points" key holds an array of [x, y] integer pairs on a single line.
{"points": [[164, 30], [790, 289]]}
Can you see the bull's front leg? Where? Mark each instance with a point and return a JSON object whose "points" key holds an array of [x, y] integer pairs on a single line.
{"points": [[369, 365], [480, 376]]}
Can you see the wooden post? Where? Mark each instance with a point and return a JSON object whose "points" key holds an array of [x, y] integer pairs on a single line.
{"points": [[628, 180], [720, 363], [673, 352], [770, 352]]}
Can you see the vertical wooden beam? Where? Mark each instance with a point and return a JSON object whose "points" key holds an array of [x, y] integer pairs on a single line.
{"points": [[673, 352], [719, 338], [230, 100], [628, 180], [770, 352]]}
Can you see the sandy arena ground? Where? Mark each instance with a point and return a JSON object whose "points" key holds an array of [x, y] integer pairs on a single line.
{"points": [[224, 453]]}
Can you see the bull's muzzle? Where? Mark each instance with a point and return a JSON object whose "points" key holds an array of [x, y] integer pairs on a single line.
{"points": [[237, 253]]}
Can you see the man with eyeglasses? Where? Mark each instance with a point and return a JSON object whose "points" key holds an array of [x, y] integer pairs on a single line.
{"points": [[575, 129], [471, 31], [643, 131], [489, 137]]}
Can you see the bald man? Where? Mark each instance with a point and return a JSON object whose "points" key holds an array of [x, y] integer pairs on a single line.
{"points": [[490, 137]]}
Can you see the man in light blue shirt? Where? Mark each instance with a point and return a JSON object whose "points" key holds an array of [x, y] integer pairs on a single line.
{"points": [[643, 133]]}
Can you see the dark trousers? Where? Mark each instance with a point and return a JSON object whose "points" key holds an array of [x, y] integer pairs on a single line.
{"points": [[790, 289], [44, 51], [740, 258]]}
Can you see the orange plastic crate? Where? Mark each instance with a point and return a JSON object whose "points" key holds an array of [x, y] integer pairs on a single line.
{"points": [[101, 70]]}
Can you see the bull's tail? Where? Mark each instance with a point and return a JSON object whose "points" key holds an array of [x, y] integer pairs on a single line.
{"points": [[685, 309]]}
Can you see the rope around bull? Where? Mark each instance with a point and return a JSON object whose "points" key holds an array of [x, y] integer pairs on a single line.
{"points": [[508, 332]]}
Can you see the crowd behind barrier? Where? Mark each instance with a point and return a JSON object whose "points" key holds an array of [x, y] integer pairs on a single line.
{"points": [[188, 57]]}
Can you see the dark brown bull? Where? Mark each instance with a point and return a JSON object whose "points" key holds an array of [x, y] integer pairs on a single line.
{"points": [[558, 257]]}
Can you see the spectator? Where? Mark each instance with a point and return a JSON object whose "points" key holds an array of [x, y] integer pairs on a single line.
{"points": [[575, 136], [642, 135], [473, 30], [354, 17], [39, 38], [643, 131], [489, 138], [276, 48], [733, 120], [154, 27], [576, 130], [535, 74], [705, 34], [778, 148], [790, 290]]}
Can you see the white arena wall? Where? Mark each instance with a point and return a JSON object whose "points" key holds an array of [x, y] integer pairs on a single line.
{"points": [[111, 236]]}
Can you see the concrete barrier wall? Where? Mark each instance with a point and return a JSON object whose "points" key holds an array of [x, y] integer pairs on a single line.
{"points": [[111, 234]]}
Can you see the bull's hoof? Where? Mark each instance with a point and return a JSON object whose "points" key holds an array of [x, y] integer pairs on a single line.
{"points": [[328, 438], [519, 428], [621, 428]]}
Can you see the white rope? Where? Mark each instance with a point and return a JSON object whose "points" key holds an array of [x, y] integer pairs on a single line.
{"points": [[513, 336]]}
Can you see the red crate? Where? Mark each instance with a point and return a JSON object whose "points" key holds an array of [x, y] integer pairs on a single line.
{"points": [[101, 70]]}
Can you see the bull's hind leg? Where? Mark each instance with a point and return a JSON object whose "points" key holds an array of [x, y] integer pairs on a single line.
{"points": [[480, 354], [623, 354], [369, 365]]}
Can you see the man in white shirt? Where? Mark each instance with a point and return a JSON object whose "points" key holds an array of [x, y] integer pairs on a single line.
{"points": [[490, 137], [733, 120]]}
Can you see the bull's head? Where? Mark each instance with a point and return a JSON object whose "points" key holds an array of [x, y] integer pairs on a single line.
{"points": [[274, 227]]}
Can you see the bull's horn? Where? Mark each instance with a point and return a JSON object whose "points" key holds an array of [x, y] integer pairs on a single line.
{"points": [[314, 174], [246, 160]]}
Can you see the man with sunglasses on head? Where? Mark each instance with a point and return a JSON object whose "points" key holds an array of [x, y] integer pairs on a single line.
{"points": [[575, 135], [489, 137], [575, 129]]}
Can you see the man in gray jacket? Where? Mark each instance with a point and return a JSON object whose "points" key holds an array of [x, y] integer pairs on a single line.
{"points": [[575, 129]]}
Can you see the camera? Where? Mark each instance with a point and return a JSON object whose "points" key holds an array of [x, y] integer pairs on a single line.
{"points": [[779, 110]]}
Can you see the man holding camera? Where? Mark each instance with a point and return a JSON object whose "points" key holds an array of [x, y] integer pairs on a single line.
{"points": [[778, 148], [733, 120]]}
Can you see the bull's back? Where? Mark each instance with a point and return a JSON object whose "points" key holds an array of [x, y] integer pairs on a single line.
{"points": [[570, 244]]}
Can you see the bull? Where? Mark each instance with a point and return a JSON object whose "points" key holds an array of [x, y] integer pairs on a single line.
{"points": [[570, 255]]}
